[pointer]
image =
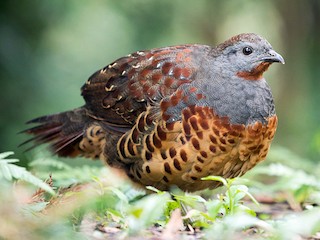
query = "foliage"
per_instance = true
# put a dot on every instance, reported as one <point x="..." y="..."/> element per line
<point x="64" y="174"/>
<point x="290" y="174"/>
<point x="99" y="197"/>
<point x="231" y="202"/>
<point x="10" y="171"/>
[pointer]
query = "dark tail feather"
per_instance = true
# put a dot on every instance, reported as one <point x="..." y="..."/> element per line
<point x="63" y="131"/>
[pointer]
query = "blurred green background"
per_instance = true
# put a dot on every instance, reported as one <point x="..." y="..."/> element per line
<point x="49" y="48"/>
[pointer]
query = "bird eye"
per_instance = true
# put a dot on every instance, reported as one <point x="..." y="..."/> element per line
<point x="247" y="50"/>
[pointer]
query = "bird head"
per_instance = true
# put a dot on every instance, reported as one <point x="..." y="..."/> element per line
<point x="247" y="55"/>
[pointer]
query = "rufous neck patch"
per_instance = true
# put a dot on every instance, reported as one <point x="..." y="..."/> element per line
<point x="256" y="73"/>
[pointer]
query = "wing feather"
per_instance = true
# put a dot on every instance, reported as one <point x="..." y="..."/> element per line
<point x="118" y="93"/>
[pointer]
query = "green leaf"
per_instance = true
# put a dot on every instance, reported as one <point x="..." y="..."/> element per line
<point x="146" y="211"/>
<point x="50" y="162"/>
<point x="6" y="154"/>
<point x="216" y="178"/>
<point x="214" y="208"/>
<point x="151" y="188"/>
<point x="246" y="191"/>
<point x="171" y="205"/>
<point x="119" y="194"/>
<point x="11" y="171"/>
<point x="188" y="199"/>
<point x="245" y="209"/>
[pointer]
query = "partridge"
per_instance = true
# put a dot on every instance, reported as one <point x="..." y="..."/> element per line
<point x="170" y="116"/>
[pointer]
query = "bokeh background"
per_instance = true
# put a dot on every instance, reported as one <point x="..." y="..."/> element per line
<point x="49" y="48"/>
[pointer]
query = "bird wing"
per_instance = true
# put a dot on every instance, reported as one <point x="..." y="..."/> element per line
<point x="118" y="93"/>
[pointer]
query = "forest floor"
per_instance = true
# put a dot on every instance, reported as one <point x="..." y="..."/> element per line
<point x="278" y="200"/>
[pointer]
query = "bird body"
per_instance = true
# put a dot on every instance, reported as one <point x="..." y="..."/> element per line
<point x="170" y="116"/>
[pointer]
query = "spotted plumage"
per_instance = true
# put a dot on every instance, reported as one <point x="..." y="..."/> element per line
<point x="173" y="115"/>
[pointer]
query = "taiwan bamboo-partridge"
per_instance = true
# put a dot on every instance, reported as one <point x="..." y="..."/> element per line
<point x="172" y="115"/>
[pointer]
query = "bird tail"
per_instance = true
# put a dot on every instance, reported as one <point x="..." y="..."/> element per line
<point x="63" y="131"/>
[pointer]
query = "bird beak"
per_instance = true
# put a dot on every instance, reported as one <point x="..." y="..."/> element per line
<point x="273" y="56"/>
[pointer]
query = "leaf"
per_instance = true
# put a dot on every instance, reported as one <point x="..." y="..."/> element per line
<point x="232" y="225"/>
<point x="151" y="188"/>
<point x="119" y="194"/>
<point x="5" y="171"/>
<point x="216" y="178"/>
<point x="6" y="154"/>
<point x="245" y="209"/>
<point x="304" y="224"/>
<point x="188" y="199"/>
<point x="146" y="211"/>
<point x="250" y="196"/>
<point x="50" y="162"/>
<point x="214" y="208"/>
<point x="11" y="171"/>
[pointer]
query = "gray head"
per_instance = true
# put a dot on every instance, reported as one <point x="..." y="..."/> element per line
<point x="223" y="81"/>
<point x="246" y="55"/>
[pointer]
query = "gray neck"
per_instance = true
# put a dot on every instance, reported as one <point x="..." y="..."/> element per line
<point x="243" y="101"/>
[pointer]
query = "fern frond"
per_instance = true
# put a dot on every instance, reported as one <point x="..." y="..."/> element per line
<point x="10" y="172"/>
